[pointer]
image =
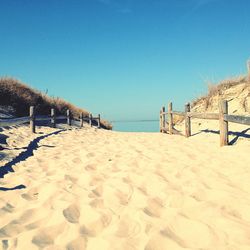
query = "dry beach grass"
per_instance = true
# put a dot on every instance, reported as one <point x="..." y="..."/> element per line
<point x="20" y="97"/>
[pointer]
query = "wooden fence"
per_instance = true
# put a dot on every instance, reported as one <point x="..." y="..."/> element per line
<point x="53" y="119"/>
<point x="223" y="117"/>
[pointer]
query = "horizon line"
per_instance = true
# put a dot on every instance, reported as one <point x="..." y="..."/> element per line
<point x="143" y="120"/>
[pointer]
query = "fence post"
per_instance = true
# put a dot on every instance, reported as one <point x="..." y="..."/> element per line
<point x="68" y="117"/>
<point x="90" y="120"/>
<point x="187" y="121"/>
<point x="160" y="125"/>
<point x="32" y="119"/>
<point x="163" y="119"/>
<point x="170" y="118"/>
<point x="81" y="120"/>
<point x="99" y="121"/>
<point x="53" y="118"/>
<point x="223" y="110"/>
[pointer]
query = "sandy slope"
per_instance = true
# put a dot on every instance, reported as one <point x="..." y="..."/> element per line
<point x="95" y="189"/>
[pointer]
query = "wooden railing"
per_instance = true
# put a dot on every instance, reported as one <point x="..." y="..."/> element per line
<point x="166" y="123"/>
<point x="52" y="118"/>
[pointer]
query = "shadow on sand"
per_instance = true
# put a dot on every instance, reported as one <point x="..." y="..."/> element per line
<point x="237" y="135"/>
<point x="13" y="188"/>
<point x="26" y="154"/>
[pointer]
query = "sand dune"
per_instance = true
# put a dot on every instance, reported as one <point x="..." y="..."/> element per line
<point x="96" y="189"/>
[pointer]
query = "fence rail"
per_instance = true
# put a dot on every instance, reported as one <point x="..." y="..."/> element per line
<point x="223" y="117"/>
<point x="52" y="118"/>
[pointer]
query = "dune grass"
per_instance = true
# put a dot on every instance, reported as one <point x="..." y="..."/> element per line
<point x="20" y="97"/>
<point x="218" y="89"/>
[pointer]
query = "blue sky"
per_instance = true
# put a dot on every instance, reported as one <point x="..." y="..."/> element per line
<point x="124" y="58"/>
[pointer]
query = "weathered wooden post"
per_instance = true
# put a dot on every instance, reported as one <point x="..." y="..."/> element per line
<point x="99" y="121"/>
<point x="160" y="125"/>
<point x="53" y="118"/>
<point x="90" y="120"/>
<point x="163" y="119"/>
<point x="68" y="117"/>
<point x="32" y="119"/>
<point x="187" y="121"/>
<point x="81" y="120"/>
<point x="223" y="110"/>
<point x="170" y="118"/>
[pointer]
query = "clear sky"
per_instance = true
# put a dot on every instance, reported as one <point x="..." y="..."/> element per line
<point x="124" y="58"/>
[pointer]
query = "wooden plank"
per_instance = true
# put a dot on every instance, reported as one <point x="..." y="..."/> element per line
<point x="187" y="121"/>
<point x="61" y="117"/>
<point x="209" y="116"/>
<point x="48" y="118"/>
<point x="14" y="121"/>
<point x="170" y="118"/>
<point x="32" y="119"/>
<point x="86" y="118"/>
<point x="178" y="113"/>
<point x="174" y="131"/>
<point x="75" y="123"/>
<point x="237" y="119"/>
<point x="223" y="110"/>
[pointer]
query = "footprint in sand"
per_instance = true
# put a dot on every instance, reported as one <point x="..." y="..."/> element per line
<point x="154" y="207"/>
<point x="28" y="215"/>
<point x="12" y="229"/>
<point x="72" y="213"/>
<point x="77" y="160"/>
<point x="36" y="224"/>
<point x="43" y="239"/>
<point x="70" y="178"/>
<point x="31" y="195"/>
<point x="127" y="180"/>
<point x="97" y="203"/>
<point x="46" y="236"/>
<point x="179" y="231"/>
<point x="123" y="197"/>
<point x="90" y="155"/>
<point x="96" y="180"/>
<point x="97" y="192"/>
<point x="96" y="225"/>
<point x="159" y="242"/>
<point x="78" y="244"/>
<point x="128" y="228"/>
<point x="143" y="190"/>
<point x="90" y="167"/>
<point x="8" y="208"/>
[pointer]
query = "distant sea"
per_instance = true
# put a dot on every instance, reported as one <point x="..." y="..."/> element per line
<point x="136" y="126"/>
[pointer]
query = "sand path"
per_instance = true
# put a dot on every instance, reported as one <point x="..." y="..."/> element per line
<point x="95" y="189"/>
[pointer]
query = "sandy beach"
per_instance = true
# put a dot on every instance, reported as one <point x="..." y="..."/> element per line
<point x="96" y="189"/>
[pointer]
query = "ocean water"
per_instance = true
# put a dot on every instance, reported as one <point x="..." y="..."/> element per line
<point x="136" y="126"/>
